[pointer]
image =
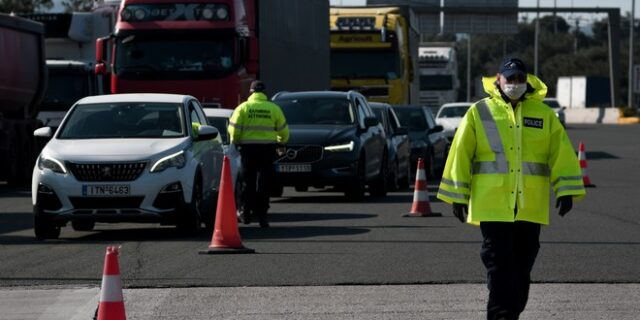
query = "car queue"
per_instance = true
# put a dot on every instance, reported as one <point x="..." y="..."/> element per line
<point x="156" y="158"/>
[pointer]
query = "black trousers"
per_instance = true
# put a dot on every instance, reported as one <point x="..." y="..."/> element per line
<point x="258" y="175"/>
<point x="509" y="251"/>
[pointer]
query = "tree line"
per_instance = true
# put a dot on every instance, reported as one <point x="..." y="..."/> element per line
<point x="562" y="51"/>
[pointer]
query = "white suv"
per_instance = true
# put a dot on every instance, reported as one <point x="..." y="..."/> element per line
<point x="128" y="158"/>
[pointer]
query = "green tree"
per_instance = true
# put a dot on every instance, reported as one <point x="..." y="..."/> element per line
<point x="77" y="5"/>
<point x="24" y="6"/>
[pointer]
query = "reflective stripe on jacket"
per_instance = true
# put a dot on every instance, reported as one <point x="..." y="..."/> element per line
<point x="502" y="158"/>
<point x="258" y="121"/>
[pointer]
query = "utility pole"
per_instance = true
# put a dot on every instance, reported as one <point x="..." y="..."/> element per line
<point x="630" y="86"/>
<point x="555" y="22"/>
<point x="469" y="67"/>
<point x="535" y="45"/>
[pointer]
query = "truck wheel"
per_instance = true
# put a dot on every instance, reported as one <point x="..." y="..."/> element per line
<point x="83" y="225"/>
<point x="190" y="218"/>
<point x="355" y="190"/>
<point x="378" y="188"/>
<point x="43" y="227"/>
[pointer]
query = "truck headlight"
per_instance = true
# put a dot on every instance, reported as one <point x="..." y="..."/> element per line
<point x="51" y="164"/>
<point x="177" y="160"/>
<point x="340" y="147"/>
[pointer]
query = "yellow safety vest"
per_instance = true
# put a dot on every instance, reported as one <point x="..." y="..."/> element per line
<point x="258" y="121"/>
<point x="502" y="159"/>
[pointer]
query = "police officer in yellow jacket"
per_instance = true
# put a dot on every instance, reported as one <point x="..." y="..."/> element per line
<point x="256" y="127"/>
<point x="508" y="149"/>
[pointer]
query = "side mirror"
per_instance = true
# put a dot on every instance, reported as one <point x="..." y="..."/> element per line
<point x="437" y="128"/>
<point x="371" y="122"/>
<point x="401" y="131"/>
<point x="207" y="133"/>
<point x="45" y="132"/>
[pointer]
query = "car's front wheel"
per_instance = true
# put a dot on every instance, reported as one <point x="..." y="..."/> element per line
<point x="191" y="217"/>
<point x="355" y="190"/>
<point x="378" y="188"/>
<point x="44" y="227"/>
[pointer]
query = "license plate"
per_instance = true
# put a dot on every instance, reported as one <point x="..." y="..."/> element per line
<point x="294" y="168"/>
<point x="106" y="190"/>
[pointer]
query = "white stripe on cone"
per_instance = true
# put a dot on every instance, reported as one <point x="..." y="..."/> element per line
<point x="421" y="175"/>
<point x="422" y="196"/>
<point x="111" y="289"/>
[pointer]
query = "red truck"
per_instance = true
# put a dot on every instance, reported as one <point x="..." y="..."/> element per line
<point x="213" y="49"/>
<point x="23" y="77"/>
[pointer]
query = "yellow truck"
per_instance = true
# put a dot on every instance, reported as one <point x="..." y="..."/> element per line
<point x="374" y="51"/>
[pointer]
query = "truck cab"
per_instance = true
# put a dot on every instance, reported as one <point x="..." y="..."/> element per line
<point x="373" y="50"/>
<point x="438" y="67"/>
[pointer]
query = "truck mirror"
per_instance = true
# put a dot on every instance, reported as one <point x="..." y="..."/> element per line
<point x="100" y="68"/>
<point x="100" y="50"/>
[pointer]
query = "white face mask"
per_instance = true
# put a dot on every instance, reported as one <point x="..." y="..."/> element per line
<point x="514" y="91"/>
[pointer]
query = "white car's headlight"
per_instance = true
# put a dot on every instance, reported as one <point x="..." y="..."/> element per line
<point x="177" y="160"/>
<point x="340" y="147"/>
<point x="51" y="164"/>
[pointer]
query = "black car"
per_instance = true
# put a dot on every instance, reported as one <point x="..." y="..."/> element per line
<point x="397" y="144"/>
<point x="427" y="140"/>
<point x="335" y="140"/>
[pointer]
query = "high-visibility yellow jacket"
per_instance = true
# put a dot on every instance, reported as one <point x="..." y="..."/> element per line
<point x="258" y="121"/>
<point x="503" y="158"/>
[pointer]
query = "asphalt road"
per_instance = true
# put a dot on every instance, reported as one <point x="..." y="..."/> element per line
<point x="317" y="238"/>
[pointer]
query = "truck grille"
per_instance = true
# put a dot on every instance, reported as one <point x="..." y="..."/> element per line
<point x="106" y="202"/>
<point x="123" y="171"/>
<point x="301" y="154"/>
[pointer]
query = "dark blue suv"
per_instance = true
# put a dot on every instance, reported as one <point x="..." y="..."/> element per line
<point x="335" y="140"/>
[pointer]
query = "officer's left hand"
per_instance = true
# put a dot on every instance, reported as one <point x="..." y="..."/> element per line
<point x="565" y="203"/>
<point x="280" y="150"/>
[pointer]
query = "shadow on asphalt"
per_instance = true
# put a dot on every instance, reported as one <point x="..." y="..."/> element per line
<point x="11" y="222"/>
<point x="305" y="217"/>
<point x="14" y="192"/>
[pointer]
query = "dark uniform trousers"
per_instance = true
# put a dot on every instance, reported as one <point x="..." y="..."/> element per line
<point x="257" y="175"/>
<point x="509" y="250"/>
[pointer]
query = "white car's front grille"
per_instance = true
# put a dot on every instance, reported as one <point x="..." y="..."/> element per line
<point x="119" y="171"/>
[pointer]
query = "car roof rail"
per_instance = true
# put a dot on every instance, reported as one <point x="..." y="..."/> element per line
<point x="279" y="93"/>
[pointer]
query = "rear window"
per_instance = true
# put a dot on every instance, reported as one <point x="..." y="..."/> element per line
<point x="453" y="112"/>
<point x="412" y="118"/>
<point x="317" y="111"/>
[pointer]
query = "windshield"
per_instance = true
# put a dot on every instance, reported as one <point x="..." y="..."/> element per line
<point x="436" y="82"/>
<point x="317" y="111"/>
<point x="453" y="112"/>
<point x="220" y="124"/>
<point x="365" y="64"/>
<point x="124" y="120"/>
<point x="412" y="118"/>
<point x="64" y="89"/>
<point x="150" y="57"/>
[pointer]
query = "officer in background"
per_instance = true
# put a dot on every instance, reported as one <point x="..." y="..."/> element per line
<point x="256" y="127"/>
<point x="507" y="151"/>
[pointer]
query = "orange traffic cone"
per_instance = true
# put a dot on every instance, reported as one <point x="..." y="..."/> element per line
<point x="111" y="303"/>
<point x="582" y="156"/>
<point x="421" y="206"/>
<point x="226" y="236"/>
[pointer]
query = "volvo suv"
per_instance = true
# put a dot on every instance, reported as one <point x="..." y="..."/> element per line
<point x="335" y="140"/>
